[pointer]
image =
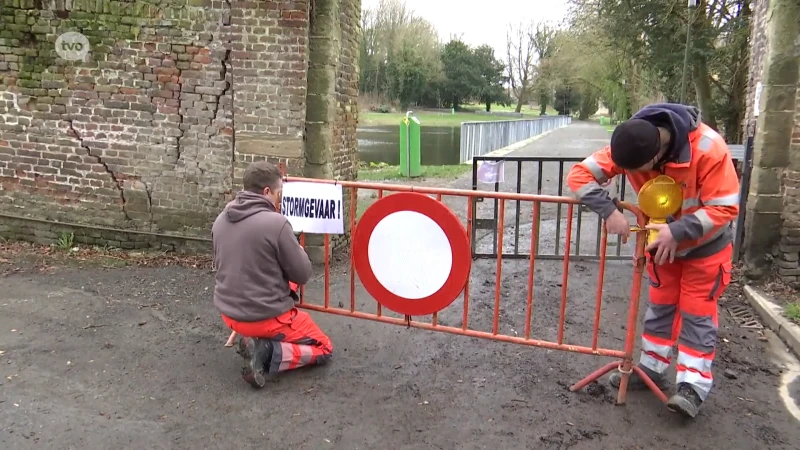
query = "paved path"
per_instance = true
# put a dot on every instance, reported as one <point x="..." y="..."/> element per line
<point x="577" y="140"/>
<point x="97" y="358"/>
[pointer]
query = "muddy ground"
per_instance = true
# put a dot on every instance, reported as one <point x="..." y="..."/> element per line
<point x="98" y="357"/>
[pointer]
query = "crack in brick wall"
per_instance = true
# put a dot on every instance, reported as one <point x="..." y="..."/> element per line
<point x="110" y="172"/>
<point x="153" y="131"/>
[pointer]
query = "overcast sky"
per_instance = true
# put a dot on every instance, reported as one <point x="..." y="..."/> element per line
<point x="482" y="21"/>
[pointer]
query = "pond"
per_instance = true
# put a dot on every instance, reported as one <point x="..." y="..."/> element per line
<point x="381" y="144"/>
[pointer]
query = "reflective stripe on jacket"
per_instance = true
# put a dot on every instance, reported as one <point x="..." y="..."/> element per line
<point x="707" y="177"/>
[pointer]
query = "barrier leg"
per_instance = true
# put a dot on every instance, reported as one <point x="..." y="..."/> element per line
<point x="626" y="366"/>
<point x="594" y="376"/>
<point x="650" y="384"/>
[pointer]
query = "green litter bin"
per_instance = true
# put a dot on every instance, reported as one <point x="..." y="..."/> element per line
<point x="410" y="141"/>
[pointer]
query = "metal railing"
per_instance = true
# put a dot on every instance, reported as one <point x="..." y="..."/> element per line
<point x="480" y="138"/>
<point x="472" y="313"/>
<point x="547" y="176"/>
<point x="743" y="158"/>
<point x="542" y="176"/>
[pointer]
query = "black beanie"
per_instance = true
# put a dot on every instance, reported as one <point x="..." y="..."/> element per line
<point x="634" y="143"/>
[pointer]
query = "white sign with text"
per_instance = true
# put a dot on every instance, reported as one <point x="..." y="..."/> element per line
<point x="757" y="99"/>
<point x="313" y="207"/>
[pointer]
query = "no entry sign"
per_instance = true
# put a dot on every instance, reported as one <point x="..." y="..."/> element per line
<point x="412" y="254"/>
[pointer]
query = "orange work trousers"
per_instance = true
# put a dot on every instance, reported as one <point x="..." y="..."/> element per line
<point x="297" y="340"/>
<point x="683" y="309"/>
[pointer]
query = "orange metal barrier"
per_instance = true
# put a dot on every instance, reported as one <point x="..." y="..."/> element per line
<point x="624" y="356"/>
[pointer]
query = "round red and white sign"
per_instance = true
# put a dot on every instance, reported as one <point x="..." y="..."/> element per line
<point x="411" y="253"/>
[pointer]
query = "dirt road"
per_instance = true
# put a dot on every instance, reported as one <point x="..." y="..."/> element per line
<point x="132" y="358"/>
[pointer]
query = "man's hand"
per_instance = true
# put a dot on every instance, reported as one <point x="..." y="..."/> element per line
<point x="618" y="224"/>
<point x="665" y="244"/>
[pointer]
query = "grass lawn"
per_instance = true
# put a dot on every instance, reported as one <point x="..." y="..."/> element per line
<point x="384" y="173"/>
<point x="792" y="312"/>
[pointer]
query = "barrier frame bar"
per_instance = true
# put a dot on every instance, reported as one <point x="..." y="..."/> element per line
<point x="624" y="358"/>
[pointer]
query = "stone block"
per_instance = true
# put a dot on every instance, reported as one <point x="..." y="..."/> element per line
<point x="321" y="79"/>
<point x="783" y="272"/>
<point x="773" y="139"/>
<point x="790" y="257"/>
<point x="769" y="226"/>
<point x="316" y="254"/>
<point x="319" y="137"/>
<point x="787" y="264"/>
<point x="788" y="247"/>
<point x="765" y="203"/>
<point x="779" y="98"/>
<point x="265" y="144"/>
<point x="765" y="181"/>
<point x="321" y="108"/>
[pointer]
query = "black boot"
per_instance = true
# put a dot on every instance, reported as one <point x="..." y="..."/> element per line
<point x="635" y="382"/>
<point x="256" y="353"/>
<point x="686" y="401"/>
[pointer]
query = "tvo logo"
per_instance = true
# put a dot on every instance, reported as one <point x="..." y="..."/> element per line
<point x="72" y="46"/>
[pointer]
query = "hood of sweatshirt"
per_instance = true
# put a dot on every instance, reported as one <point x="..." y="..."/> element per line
<point x="246" y="204"/>
<point x="679" y="119"/>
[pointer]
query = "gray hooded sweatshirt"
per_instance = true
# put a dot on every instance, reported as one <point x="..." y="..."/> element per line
<point x="256" y="255"/>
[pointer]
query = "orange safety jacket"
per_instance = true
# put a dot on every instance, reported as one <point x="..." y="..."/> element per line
<point x="708" y="178"/>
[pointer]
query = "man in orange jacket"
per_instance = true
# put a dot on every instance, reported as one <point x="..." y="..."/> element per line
<point x="689" y="264"/>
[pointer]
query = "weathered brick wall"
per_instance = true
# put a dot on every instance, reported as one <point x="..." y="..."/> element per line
<point x="344" y="131"/>
<point x="789" y="258"/>
<point x="269" y="42"/>
<point x="345" y="143"/>
<point x="332" y="115"/>
<point x="153" y="130"/>
<point x="46" y="232"/>
<point x="773" y="204"/>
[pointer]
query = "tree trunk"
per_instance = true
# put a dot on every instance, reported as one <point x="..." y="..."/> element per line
<point x="734" y="120"/>
<point x="522" y="98"/>
<point x="488" y="106"/>
<point x="542" y="105"/>
<point x="702" y="86"/>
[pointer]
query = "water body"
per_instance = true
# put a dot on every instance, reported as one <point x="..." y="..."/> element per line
<point x="381" y="144"/>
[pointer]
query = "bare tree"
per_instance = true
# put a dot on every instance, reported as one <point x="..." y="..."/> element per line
<point x="545" y="47"/>
<point x="521" y="59"/>
<point x="392" y="17"/>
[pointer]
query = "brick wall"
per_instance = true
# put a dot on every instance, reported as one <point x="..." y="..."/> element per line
<point x="345" y="143"/>
<point x="46" y="232"/>
<point x="789" y="247"/>
<point x="773" y="205"/>
<point x="344" y="130"/>
<point x="152" y="131"/>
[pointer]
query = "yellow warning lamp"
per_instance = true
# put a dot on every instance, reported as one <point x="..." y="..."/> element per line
<point x="659" y="198"/>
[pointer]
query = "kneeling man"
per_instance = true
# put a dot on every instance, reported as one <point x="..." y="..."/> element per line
<point x="257" y="256"/>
